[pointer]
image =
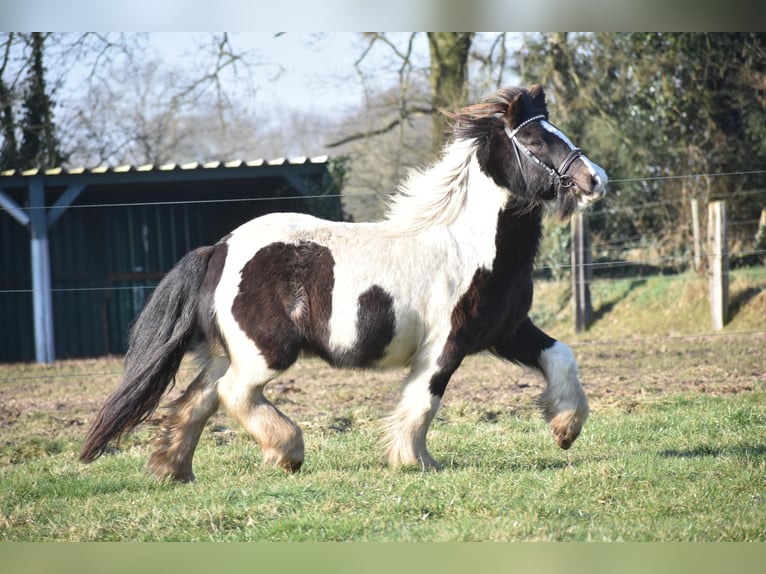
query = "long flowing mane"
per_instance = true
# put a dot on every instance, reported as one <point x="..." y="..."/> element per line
<point x="436" y="195"/>
<point x="476" y="120"/>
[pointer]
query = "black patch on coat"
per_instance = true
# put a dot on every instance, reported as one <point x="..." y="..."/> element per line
<point x="284" y="305"/>
<point x="375" y="329"/>
<point x="523" y="345"/>
<point x="285" y="300"/>
<point x="498" y="299"/>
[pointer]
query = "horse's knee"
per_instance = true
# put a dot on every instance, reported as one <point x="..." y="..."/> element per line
<point x="279" y="438"/>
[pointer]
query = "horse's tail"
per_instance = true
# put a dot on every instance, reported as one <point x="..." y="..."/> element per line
<point x="166" y="328"/>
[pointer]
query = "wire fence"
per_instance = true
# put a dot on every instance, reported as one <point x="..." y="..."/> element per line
<point x="616" y="255"/>
<point x="607" y="249"/>
<point x="612" y="253"/>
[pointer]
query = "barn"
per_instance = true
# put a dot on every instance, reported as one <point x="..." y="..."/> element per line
<point x="80" y="249"/>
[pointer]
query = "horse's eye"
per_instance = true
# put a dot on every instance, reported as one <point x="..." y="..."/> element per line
<point x="536" y="143"/>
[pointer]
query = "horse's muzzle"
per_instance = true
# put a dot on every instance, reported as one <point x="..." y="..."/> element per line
<point x="594" y="187"/>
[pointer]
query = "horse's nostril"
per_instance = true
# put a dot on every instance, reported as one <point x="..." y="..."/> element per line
<point x="595" y="182"/>
<point x="598" y="180"/>
<point x="598" y="184"/>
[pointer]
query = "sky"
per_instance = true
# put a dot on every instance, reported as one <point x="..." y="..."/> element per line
<point x="318" y="73"/>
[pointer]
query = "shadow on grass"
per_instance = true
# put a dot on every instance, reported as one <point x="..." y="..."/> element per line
<point x="705" y="450"/>
<point x="741" y="299"/>
<point x="607" y="307"/>
<point x="537" y="464"/>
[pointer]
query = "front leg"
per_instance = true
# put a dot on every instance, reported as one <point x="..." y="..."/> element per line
<point x="407" y="426"/>
<point x="563" y="403"/>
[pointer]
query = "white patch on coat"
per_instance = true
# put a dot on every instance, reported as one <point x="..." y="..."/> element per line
<point x="563" y="392"/>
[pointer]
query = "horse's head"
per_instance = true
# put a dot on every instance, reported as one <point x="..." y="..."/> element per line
<point x="525" y="153"/>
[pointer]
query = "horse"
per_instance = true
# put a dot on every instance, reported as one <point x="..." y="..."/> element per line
<point x="446" y="273"/>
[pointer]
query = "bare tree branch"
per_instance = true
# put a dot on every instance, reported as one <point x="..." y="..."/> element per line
<point x="385" y="129"/>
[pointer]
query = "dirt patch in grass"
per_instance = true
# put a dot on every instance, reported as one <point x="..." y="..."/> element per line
<point x="58" y="401"/>
<point x="642" y="344"/>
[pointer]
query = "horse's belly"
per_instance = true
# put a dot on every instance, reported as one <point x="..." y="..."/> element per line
<point x="371" y="333"/>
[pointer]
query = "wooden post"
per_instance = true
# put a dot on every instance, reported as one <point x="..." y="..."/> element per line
<point x="697" y="237"/>
<point x="581" y="272"/>
<point x="718" y="264"/>
<point x="760" y="235"/>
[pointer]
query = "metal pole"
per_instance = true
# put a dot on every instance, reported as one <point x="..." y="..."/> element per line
<point x="41" y="273"/>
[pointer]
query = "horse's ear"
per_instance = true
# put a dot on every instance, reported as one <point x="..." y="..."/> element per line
<point x="516" y="111"/>
<point x="537" y="93"/>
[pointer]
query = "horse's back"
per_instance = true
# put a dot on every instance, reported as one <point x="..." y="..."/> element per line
<point x="345" y="291"/>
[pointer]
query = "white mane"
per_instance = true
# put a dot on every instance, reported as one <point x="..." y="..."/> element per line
<point x="435" y="196"/>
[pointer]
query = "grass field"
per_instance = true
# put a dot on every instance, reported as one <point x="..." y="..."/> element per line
<point x="675" y="448"/>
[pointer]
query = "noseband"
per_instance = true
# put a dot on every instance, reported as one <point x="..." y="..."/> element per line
<point x="559" y="175"/>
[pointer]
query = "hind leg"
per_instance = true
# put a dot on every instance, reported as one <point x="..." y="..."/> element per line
<point x="280" y="439"/>
<point x="181" y="429"/>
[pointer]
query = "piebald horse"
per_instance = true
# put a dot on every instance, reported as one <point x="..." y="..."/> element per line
<point x="447" y="273"/>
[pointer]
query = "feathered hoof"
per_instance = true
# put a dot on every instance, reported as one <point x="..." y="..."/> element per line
<point x="160" y="468"/>
<point x="290" y="462"/>
<point x="566" y="427"/>
<point x="423" y="461"/>
<point x="291" y="465"/>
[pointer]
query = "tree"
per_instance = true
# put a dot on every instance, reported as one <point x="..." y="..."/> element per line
<point x="447" y="74"/>
<point x="152" y="126"/>
<point x="9" y="148"/>
<point x="654" y="108"/>
<point x="39" y="146"/>
<point x="448" y="77"/>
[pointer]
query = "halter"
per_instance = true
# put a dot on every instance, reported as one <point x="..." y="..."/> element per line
<point x="559" y="174"/>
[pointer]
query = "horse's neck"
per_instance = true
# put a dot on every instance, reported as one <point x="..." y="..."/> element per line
<point x="457" y="198"/>
<point x="518" y="239"/>
<point x="441" y="195"/>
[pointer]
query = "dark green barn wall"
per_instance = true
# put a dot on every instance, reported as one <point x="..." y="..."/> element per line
<point x="106" y="260"/>
<point x="16" y="335"/>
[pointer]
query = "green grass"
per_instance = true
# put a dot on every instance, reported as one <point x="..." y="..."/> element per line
<point x="677" y="469"/>
<point x="652" y="306"/>
<point x="674" y="449"/>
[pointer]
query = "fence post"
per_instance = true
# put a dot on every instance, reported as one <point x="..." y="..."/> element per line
<point x="760" y="235"/>
<point x="718" y="264"/>
<point x="581" y="272"/>
<point x="697" y="236"/>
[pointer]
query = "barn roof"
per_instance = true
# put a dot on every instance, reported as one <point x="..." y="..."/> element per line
<point x="215" y="169"/>
<point x="150" y="167"/>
